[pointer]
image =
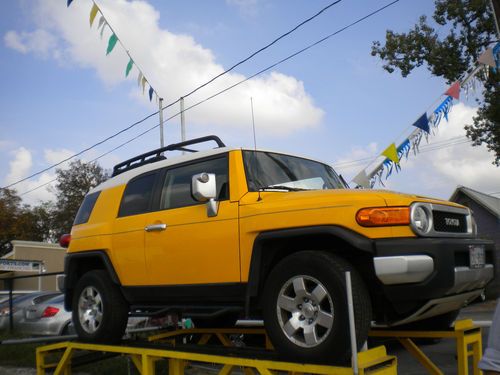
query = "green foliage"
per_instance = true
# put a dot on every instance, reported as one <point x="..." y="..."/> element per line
<point x="48" y="220"/>
<point x="72" y="185"/>
<point x="20" y="222"/>
<point x="464" y="29"/>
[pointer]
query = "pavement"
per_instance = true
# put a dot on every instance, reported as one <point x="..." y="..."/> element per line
<point x="443" y="353"/>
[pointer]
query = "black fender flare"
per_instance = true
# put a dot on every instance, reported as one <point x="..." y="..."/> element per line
<point x="255" y="277"/>
<point x="72" y="270"/>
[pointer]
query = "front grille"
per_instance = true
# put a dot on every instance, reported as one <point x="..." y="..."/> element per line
<point x="449" y="222"/>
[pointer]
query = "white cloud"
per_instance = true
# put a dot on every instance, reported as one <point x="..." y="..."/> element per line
<point x="246" y="7"/>
<point x="40" y="42"/>
<point x="174" y="64"/>
<point x="56" y="156"/>
<point x="447" y="161"/>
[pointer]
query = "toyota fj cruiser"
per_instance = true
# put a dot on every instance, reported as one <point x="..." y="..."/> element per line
<point x="228" y="233"/>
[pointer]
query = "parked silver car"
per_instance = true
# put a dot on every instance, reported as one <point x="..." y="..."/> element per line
<point x="48" y="318"/>
<point x="19" y="304"/>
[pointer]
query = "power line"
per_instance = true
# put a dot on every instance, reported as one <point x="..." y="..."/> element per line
<point x="231" y="87"/>
<point x="184" y="96"/>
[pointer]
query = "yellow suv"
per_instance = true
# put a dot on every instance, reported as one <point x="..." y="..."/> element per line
<point x="229" y="233"/>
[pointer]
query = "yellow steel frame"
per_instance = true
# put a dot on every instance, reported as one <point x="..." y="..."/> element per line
<point x="372" y="362"/>
<point x="465" y="333"/>
<point x="221" y="334"/>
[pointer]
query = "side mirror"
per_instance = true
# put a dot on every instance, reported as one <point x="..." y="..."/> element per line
<point x="204" y="189"/>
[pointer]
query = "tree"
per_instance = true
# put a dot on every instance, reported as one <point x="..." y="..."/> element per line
<point x="470" y="30"/>
<point x="20" y="222"/>
<point x="72" y="185"/>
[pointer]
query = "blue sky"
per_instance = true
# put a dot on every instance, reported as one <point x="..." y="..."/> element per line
<point x="60" y="93"/>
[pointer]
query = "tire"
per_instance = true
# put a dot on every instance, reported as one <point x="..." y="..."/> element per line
<point x="305" y="307"/>
<point x="100" y="312"/>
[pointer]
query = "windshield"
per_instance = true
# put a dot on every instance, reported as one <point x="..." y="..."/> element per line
<point x="271" y="171"/>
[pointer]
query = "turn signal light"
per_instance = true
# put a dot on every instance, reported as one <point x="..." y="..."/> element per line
<point x="50" y="311"/>
<point x="383" y="216"/>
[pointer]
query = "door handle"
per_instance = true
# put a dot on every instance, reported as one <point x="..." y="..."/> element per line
<point x="155" y="227"/>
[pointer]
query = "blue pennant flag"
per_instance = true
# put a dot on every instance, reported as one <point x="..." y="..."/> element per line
<point x="442" y="110"/>
<point x="150" y="93"/>
<point x="69" y="2"/>
<point x="423" y="123"/>
<point x="404" y="148"/>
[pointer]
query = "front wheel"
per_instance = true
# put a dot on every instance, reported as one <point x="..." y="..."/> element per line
<point x="100" y="312"/>
<point x="305" y="307"/>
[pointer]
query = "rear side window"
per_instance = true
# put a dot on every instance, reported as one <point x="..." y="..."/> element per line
<point x="137" y="196"/>
<point x="86" y="208"/>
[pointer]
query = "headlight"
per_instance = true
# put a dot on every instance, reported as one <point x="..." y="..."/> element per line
<point x="421" y="219"/>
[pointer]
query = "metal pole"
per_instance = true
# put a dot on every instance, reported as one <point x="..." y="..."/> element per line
<point x="183" y="124"/>
<point x="160" y="104"/>
<point x="352" y="325"/>
<point x="10" y="283"/>
<point x="495" y="16"/>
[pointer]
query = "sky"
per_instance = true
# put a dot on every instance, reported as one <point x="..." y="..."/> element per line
<point x="61" y="93"/>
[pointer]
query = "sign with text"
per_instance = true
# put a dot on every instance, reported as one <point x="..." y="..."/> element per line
<point x="20" y="265"/>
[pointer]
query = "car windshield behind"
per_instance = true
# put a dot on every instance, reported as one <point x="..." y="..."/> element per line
<point x="272" y="171"/>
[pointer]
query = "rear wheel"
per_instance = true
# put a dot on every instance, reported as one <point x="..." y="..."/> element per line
<point x="99" y="310"/>
<point x="305" y="307"/>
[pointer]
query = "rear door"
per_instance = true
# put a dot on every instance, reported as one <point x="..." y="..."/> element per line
<point x="186" y="246"/>
<point x="128" y="230"/>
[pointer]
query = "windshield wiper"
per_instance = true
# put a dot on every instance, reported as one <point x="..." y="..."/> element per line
<point x="281" y="187"/>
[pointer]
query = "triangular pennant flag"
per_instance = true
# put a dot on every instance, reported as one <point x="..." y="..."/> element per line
<point x="129" y="67"/>
<point x="151" y="93"/>
<point x="69" y="2"/>
<point x="93" y="13"/>
<point x="103" y="27"/>
<point x="101" y="22"/>
<point x="139" y="78"/>
<point x="111" y="43"/>
<point x="391" y="153"/>
<point x="422" y="123"/>
<point x="144" y="80"/>
<point x="362" y="179"/>
<point x="454" y="90"/>
<point x="487" y="58"/>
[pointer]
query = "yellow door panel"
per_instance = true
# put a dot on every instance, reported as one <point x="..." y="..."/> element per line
<point x="127" y="251"/>
<point x="193" y="248"/>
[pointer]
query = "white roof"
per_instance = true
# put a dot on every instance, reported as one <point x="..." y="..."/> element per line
<point x="125" y="177"/>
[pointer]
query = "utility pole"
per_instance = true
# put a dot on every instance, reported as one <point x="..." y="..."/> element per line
<point x="160" y="104"/>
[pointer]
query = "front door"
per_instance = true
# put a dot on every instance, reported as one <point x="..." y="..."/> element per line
<point x="185" y="246"/>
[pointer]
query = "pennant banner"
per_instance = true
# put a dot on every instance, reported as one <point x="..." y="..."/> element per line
<point x="111" y="43"/>
<point x="422" y="123"/>
<point x="454" y="91"/>
<point x="113" y="39"/>
<point x="93" y="13"/>
<point x="129" y="67"/>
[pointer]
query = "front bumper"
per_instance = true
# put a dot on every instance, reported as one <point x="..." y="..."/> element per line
<point x="449" y="275"/>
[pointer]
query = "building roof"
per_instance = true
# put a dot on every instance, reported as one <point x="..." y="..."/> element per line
<point x="489" y="202"/>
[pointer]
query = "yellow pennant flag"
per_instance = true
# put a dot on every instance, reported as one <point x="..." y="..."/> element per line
<point x="144" y="80"/>
<point x="391" y="153"/>
<point x="93" y="13"/>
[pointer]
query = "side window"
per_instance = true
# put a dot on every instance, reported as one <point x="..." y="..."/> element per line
<point x="176" y="191"/>
<point x="137" y="196"/>
<point x="86" y="208"/>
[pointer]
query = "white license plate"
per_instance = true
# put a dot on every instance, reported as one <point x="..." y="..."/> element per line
<point x="476" y="256"/>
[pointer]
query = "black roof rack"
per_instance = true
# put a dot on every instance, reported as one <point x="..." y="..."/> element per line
<point x="157" y="155"/>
